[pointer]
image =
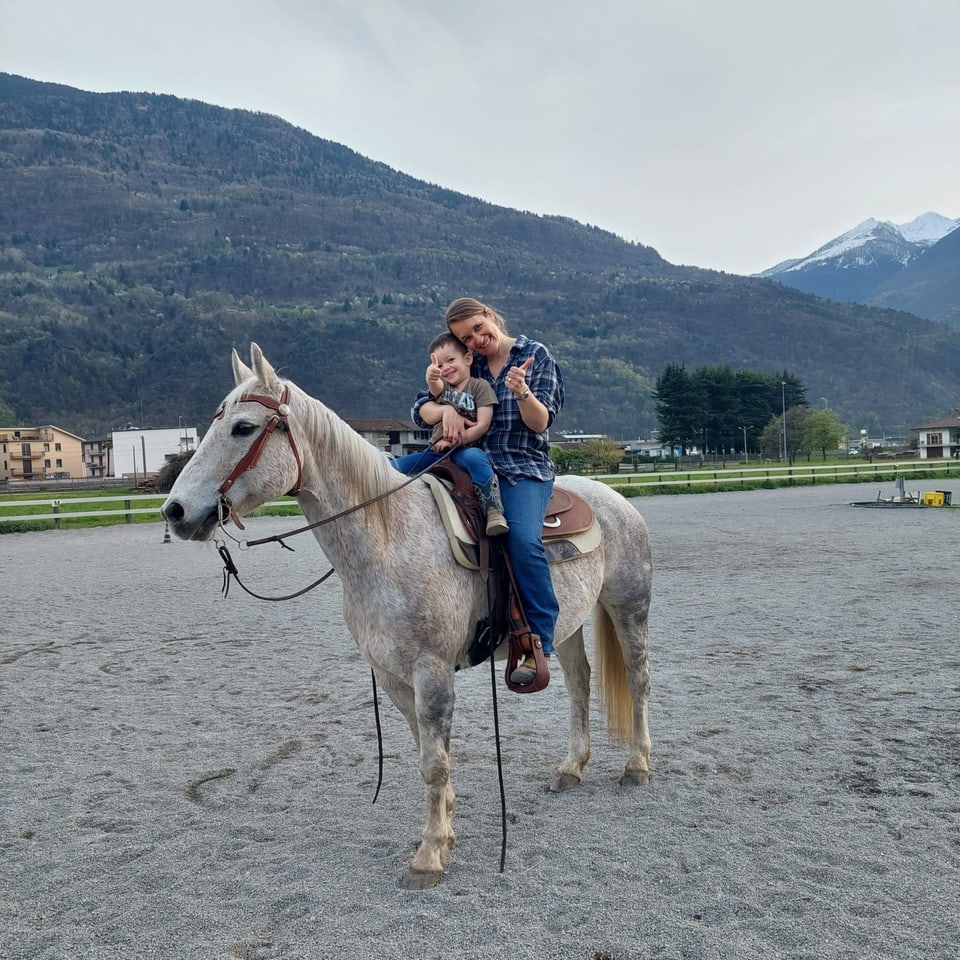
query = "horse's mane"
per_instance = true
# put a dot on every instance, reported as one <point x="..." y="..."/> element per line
<point x="366" y="470"/>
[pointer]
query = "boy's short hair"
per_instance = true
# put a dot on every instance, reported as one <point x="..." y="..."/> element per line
<point x="446" y="339"/>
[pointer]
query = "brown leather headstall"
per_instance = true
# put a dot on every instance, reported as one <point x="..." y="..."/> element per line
<point x="281" y="410"/>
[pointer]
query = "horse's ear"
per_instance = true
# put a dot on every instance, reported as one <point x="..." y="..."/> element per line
<point x="241" y="372"/>
<point x="262" y="369"/>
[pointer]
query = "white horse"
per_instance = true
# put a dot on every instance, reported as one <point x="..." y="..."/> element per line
<point x="398" y="576"/>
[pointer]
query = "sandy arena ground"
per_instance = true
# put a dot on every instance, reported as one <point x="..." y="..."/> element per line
<point x="184" y="776"/>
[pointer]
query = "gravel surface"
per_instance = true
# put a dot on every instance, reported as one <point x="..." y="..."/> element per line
<point x="187" y="776"/>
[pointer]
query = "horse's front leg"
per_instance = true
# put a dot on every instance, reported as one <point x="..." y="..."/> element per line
<point x="576" y="676"/>
<point x="434" y="699"/>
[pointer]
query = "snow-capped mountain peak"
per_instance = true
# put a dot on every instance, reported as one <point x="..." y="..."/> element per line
<point x="928" y="228"/>
<point x="870" y="240"/>
<point x="855" y="264"/>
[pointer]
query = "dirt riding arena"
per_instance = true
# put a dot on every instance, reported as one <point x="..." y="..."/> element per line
<point x="184" y="776"/>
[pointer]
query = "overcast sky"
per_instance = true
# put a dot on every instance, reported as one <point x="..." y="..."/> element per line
<point x="729" y="135"/>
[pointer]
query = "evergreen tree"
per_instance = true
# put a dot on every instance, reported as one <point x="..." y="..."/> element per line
<point x="712" y="406"/>
<point x="677" y="407"/>
<point x="716" y="386"/>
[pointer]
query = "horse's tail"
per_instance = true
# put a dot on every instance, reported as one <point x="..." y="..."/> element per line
<point x="614" y="691"/>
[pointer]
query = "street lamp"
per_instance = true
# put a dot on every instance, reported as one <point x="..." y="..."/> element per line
<point x="783" y="417"/>
<point x="746" y="456"/>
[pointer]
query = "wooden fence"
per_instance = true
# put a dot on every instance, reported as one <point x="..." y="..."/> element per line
<point x="813" y="473"/>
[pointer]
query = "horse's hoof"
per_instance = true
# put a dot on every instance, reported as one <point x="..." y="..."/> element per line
<point x="635" y="778"/>
<point x="564" y="781"/>
<point x="421" y="879"/>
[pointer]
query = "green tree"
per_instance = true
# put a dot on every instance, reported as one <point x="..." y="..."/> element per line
<point x="712" y="406"/>
<point x="716" y="388"/>
<point x="772" y="441"/>
<point x="603" y="455"/>
<point x="678" y="407"/>
<point x="796" y="430"/>
<point x="787" y="390"/>
<point x="7" y="418"/>
<point x="822" y="431"/>
<point x="753" y="390"/>
<point x="566" y="461"/>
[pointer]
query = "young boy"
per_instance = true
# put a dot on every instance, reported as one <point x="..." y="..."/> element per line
<point x="450" y="384"/>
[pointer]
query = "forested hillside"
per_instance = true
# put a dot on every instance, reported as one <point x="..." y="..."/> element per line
<point x="143" y="236"/>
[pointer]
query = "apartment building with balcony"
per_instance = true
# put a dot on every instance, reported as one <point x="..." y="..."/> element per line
<point x="940" y="439"/>
<point x="98" y="457"/>
<point x="40" y="453"/>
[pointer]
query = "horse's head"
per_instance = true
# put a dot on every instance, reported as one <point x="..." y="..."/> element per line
<point x="246" y="458"/>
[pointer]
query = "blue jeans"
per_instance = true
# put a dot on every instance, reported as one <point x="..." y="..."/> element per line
<point x="472" y="459"/>
<point x="525" y="505"/>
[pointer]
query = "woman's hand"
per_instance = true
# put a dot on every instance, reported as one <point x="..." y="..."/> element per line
<point x="517" y="378"/>
<point x="453" y="425"/>
<point x="532" y="412"/>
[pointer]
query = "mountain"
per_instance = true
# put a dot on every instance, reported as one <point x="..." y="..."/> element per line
<point x="929" y="286"/>
<point x="142" y="236"/>
<point x="869" y="263"/>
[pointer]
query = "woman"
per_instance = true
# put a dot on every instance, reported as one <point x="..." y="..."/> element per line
<point x="529" y="386"/>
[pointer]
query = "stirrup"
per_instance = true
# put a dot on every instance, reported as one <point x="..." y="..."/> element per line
<point x="526" y="672"/>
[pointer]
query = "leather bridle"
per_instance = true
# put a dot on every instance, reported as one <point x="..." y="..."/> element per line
<point x="281" y="411"/>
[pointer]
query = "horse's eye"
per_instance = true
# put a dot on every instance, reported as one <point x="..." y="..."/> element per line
<point x="243" y="428"/>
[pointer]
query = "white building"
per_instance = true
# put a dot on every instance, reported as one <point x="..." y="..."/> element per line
<point x="139" y="452"/>
<point x="655" y="448"/>
<point x="940" y="440"/>
<point x="570" y="436"/>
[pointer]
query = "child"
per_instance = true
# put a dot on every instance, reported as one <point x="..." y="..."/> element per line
<point x="450" y="385"/>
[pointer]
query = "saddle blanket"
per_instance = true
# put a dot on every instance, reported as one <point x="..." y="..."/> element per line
<point x="569" y="531"/>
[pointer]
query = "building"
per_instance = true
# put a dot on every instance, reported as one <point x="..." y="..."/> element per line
<point x="653" y="448"/>
<point x="40" y="453"/>
<point x="572" y="436"/>
<point x="398" y="437"/>
<point x="98" y="457"/>
<point x="940" y="440"/>
<point x="137" y="453"/>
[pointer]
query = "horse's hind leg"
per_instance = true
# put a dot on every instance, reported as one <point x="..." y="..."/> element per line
<point x="629" y="712"/>
<point x="576" y="676"/>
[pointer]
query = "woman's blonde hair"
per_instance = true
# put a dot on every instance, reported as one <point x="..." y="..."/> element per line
<point x="465" y="307"/>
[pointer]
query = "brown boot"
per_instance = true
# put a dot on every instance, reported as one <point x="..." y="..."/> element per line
<point x="496" y="523"/>
<point x="489" y="495"/>
<point x="526" y="672"/>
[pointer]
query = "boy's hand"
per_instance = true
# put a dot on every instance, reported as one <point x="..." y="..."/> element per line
<point x="434" y="377"/>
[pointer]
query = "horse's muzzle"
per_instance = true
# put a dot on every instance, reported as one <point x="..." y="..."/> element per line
<point x="200" y="526"/>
